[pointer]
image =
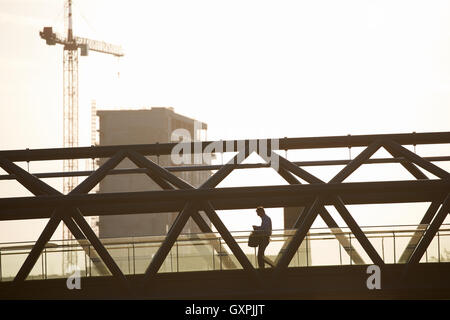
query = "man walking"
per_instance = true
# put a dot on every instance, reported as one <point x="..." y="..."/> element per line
<point x="265" y="231"/>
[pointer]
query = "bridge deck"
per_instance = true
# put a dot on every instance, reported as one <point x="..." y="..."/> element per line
<point x="424" y="281"/>
<point x="222" y="265"/>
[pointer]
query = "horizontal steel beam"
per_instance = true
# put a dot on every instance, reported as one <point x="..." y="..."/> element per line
<point x="143" y="207"/>
<point x="217" y="167"/>
<point x="230" y="146"/>
<point x="226" y="198"/>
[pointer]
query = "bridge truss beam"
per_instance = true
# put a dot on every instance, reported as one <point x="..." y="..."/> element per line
<point x="189" y="201"/>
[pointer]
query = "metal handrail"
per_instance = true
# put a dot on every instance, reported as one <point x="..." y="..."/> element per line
<point x="23" y="245"/>
<point x="195" y="240"/>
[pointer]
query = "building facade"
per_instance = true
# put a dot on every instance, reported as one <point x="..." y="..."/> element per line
<point x="147" y="126"/>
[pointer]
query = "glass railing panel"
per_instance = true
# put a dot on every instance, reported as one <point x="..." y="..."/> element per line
<point x="203" y="252"/>
<point x="295" y="261"/>
<point x="143" y="255"/>
<point x="277" y="245"/>
<point x="95" y="264"/>
<point x="251" y="252"/>
<point x="406" y="242"/>
<point x="216" y="246"/>
<point x="402" y="239"/>
<point x="173" y="265"/>
<point x="122" y="254"/>
<point x="38" y="273"/>
<point x="304" y="253"/>
<point x="432" y="253"/>
<point x="55" y="267"/>
<point x="378" y="241"/>
<point x="78" y="261"/>
<point x="388" y="252"/>
<point x="12" y="259"/>
<point x="227" y="260"/>
<point x="321" y="250"/>
<point x="358" y="249"/>
<point x="444" y="245"/>
<point x="195" y="255"/>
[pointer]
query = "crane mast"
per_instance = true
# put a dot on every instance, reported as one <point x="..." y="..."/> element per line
<point x="71" y="44"/>
<point x="70" y="105"/>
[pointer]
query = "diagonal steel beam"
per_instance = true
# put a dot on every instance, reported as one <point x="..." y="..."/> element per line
<point x="39" y="245"/>
<point x="326" y="216"/>
<point x="299" y="172"/>
<point x="159" y="181"/>
<point x="431" y="232"/>
<point x="154" y="170"/>
<point x="60" y="212"/>
<point x="157" y="171"/>
<point x="101" y="250"/>
<point x="417" y="236"/>
<point x="301" y="217"/>
<point x="184" y="215"/>
<point x="38" y="187"/>
<point x="359" y="234"/>
<point x="228" y="238"/>
<point x="416" y="172"/>
<point x="171" y="237"/>
<point x="395" y="148"/>
<point x="340" y="236"/>
<point x="429" y="214"/>
<point x="338" y="203"/>
<point x="357" y="162"/>
<point x="286" y="175"/>
<point x="26" y="179"/>
<point x="161" y="175"/>
<point x="299" y="235"/>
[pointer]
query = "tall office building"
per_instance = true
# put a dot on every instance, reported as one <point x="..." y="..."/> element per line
<point x="155" y="125"/>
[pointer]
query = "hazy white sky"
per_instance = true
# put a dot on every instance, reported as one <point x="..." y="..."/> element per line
<point x="247" y="68"/>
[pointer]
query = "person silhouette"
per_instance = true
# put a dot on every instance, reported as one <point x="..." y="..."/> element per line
<point x="265" y="231"/>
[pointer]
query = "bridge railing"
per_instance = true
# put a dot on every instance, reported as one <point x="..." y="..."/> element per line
<point x="198" y="252"/>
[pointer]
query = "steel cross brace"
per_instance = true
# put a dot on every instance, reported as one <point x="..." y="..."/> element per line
<point x="323" y="212"/>
<point x="308" y="218"/>
<point x="156" y="171"/>
<point x="420" y="240"/>
<point x="396" y="149"/>
<point x="430" y="232"/>
<point x="187" y="211"/>
<point x="426" y="239"/>
<point x="37" y="187"/>
<point x="417" y="236"/>
<point x="60" y="213"/>
<point x="337" y="202"/>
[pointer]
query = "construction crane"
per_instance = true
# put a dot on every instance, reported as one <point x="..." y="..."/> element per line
<point x="71" y="44"/>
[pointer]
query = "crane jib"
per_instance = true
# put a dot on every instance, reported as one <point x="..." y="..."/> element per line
<point x="84" y="44"/>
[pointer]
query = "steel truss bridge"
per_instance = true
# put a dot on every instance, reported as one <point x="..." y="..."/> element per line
<point x="405" y="278"/>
